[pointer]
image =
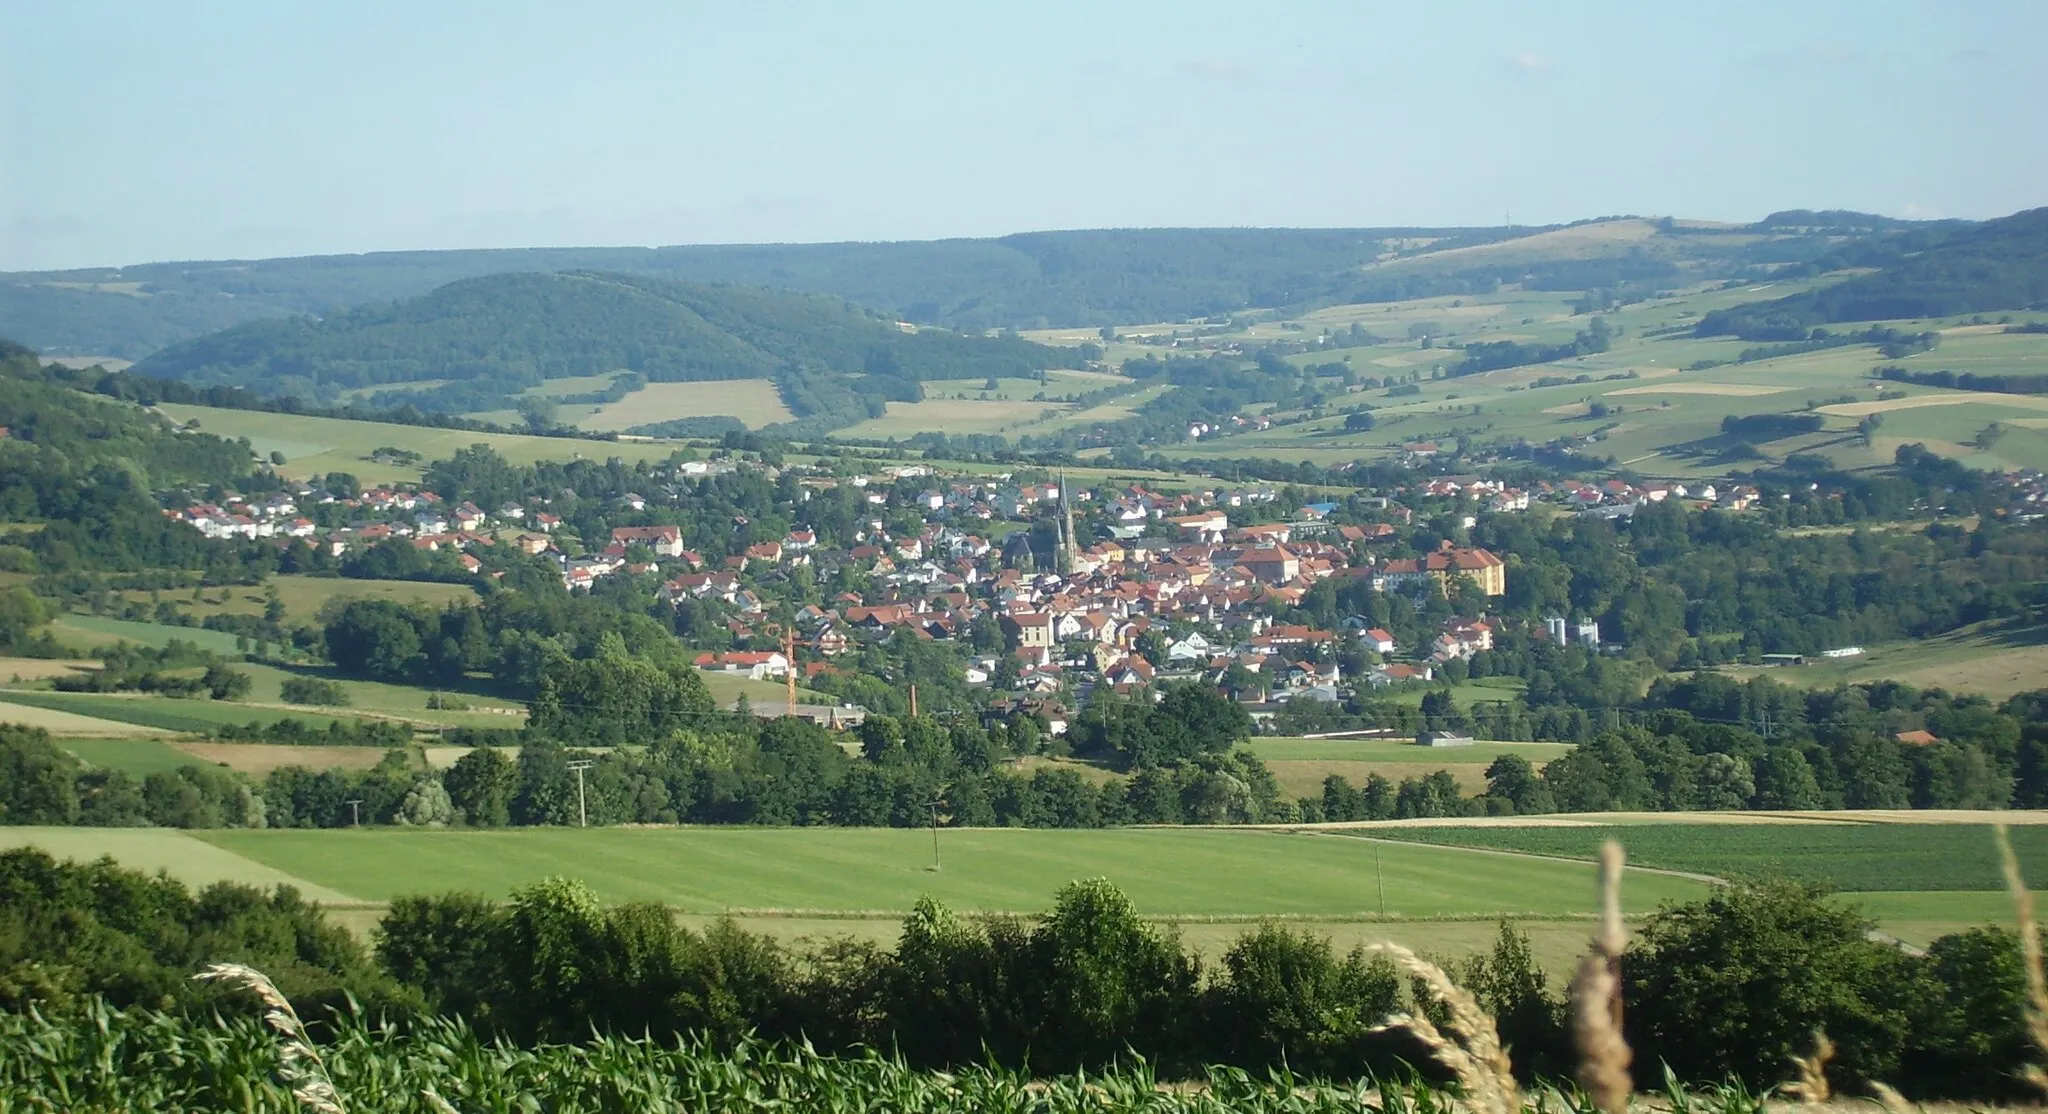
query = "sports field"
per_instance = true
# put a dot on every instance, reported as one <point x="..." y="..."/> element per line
<point x="315" y="446"/>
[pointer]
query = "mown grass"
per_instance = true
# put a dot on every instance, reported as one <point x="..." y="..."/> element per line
<point x="1284" y="749"/>
<point x="196" y="716"/>
<point x="1851" y="857"/>
<point x="134" y="757"/>
<point x="1183" y="871"/>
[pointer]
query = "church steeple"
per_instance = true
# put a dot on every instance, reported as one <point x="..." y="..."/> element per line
<point x="1069" y="549"/>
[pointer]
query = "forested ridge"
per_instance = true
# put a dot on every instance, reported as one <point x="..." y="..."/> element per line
<point x="1029" y="280"/>
<point x="487" y="338"/>
<point x="1997" y="265"/>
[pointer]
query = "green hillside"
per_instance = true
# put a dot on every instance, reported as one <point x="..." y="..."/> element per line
<point x="1029" y="280"/>
<point x="473" y="344"/>
<point x="1998" y="265"/>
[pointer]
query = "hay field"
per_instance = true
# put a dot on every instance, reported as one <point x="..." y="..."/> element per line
<point x="65" y="723"/>
<point x="1991" y="661"/>
<point x="314" y="446"/>
<point x="951" y="416"/>
<point x="302" y="597"/>
<point x="258" y="759"/>
<point x="17" y="670"/>
<point x="755" y="402"/>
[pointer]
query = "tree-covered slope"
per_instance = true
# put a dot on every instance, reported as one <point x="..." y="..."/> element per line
<point x="487" y="338"/>
<point x="1997" y="265"/>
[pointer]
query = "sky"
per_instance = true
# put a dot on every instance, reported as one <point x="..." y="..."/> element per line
<point x="137" y="132"/>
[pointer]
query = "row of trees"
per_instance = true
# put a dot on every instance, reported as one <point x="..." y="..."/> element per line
<point x="1730" y="986"/>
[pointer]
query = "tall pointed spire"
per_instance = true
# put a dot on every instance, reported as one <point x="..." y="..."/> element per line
<point x="1069" y="550"/>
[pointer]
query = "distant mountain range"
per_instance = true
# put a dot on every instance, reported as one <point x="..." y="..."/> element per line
<point x="1083" y="278"/>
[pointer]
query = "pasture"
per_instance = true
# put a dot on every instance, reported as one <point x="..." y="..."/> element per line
<point x="315" y="446"/>
<point x="91" y="631"/>
<point x="1173" y="872"/>
<point x="755" y="402"/>
<point x="407" y="702"/>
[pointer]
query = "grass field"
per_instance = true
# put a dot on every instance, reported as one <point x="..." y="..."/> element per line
<point x="87" y="631"/>
<point x="947" y="415"/>
<point x="314" y="446"/>
<point x="727" y="688"/>
<point x="32" y="712"/>
<point x="1992" y="660"/>
<point x="134" y="757"/>
<point x="258" y="759"/>
<point x="159" y="712"/>
<point x="185" y="857"/>
<point x="398" y="701"/>
<point x="1300" y="765"/>
<point x="302" y="597"/>
<point x="1843" y="855"/>
<point x="755" y="402"/>
<point x="1217" y="872"/>
<point x="16" y="671"/>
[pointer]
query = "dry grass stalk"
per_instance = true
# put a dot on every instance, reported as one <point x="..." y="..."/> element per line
<point x="1892" y="1101"/>
<point x="2030" y="953"/>
<point x="1604" y="1055"/>
<point x="298" y="1062"/>
<point x="1476" y="1057"/>
<point x="1812" y="1085"/>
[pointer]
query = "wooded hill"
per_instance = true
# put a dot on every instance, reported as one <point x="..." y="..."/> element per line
<point x="1997" y="265"/>
<point x="1030" y="280"/>
<point x="483" y="340"/>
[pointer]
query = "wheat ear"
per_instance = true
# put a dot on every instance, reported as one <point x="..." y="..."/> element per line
<point x="1604" y="1054"/>
<point x="298" y="1062"/>
<point x="1476" y="1058"/>
<point x="2030" y="952"/>
<point x="1812" y="1085"/>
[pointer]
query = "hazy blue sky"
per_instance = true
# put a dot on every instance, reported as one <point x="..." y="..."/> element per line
<point x="146" y="131"/>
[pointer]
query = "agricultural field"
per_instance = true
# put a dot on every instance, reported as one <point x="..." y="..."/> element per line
<point x="376" y="698"/>
<point x="755" y="402"/>
<point x="1300" y="765"/>
<point x="258" y="759"/>
<point x="1994" y="661"/>
<point x="89" y="632"/>
<point x="65" y="723"/>
<point x="15" y="671"/>
<point x="1168" y="872"/>
<point x="1922" y="877"/>
<point x="315" y="446"/>
<point x="104" y="713"/>
<point x="134" y="757"/>
<point x="951" y="416"/>
<point x="183" y="856"/>
<point x="1638" y="402"/>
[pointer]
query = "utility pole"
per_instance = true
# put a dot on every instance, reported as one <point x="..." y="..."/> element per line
<point x="934" y="806"/>
<point x="913" y="700"/>
<point x="1381" y="877"/>
<point x="582" y="816"/>
<point x="355" y="813"/>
